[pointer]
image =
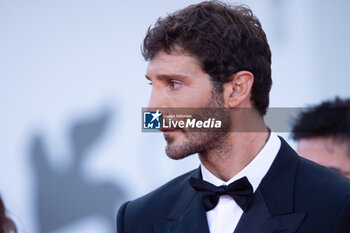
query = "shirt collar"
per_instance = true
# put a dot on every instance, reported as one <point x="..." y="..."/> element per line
<point x="255" y="170"/>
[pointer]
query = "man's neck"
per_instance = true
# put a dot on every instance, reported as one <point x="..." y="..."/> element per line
<point x="236" y="151"/>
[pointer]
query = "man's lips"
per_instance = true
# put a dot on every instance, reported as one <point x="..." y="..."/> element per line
<point x="167" y="132"/>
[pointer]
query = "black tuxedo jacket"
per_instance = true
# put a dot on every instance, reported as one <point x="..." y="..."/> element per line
<point x="296" y="195"/>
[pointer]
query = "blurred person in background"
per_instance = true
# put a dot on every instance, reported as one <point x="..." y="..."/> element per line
<point x="323" y="135"/>
<point x="216" y="55"/>
<point x="6" y="224"/>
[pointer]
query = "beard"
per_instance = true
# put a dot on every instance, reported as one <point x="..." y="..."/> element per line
<point x="190" y="142"/>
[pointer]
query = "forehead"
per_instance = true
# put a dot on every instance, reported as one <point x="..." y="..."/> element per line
<point x="179" y="63"/>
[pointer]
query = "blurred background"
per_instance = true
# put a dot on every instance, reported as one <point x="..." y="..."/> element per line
<point x="72" y="86"/>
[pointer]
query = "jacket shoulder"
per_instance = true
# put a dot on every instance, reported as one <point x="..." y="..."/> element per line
<point x="155" y="205"/>
<point x="324" y="195"/>
<point x="166" y="193"/>
<point x="322" y="180"/>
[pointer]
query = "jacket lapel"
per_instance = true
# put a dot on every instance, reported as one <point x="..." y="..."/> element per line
<point x="188" y="214"/>
<point x="259" y="219"/>
<point x="272" y="208"/>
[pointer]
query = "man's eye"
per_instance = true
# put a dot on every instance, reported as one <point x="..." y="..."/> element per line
<point x="174" y="84"/>
<point x="150" y="83"/>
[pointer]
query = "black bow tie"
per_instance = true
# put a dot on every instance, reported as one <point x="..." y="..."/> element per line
<point x="240" y="190"/>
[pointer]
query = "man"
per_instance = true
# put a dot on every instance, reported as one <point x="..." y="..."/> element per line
<point x="214" y="55"/>
<point x="323" y="135"/>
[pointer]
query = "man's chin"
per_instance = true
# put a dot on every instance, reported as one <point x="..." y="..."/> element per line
<point x="176" y="152"/>
<point x="177" y="149"/>
<point x="174" y="147"/>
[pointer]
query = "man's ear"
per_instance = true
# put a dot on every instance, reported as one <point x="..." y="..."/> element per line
<point x="238" y="91"/>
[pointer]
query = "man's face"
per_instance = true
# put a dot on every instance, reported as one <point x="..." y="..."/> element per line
<point x="327" y="152"/>
<point x="178" y="81"/>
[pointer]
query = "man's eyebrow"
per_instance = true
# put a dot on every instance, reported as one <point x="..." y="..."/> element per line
<point x="169" y="76"/>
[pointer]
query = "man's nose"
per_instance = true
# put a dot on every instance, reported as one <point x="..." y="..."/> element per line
<point x="157" y="99"/>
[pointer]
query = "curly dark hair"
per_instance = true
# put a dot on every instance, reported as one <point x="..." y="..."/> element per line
<point x="328" y="119"/>
<point x="225" y="39"/>
<point x="6" y="224"/>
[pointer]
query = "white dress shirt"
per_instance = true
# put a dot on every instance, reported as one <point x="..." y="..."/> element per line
<point x="225" y="216"/>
